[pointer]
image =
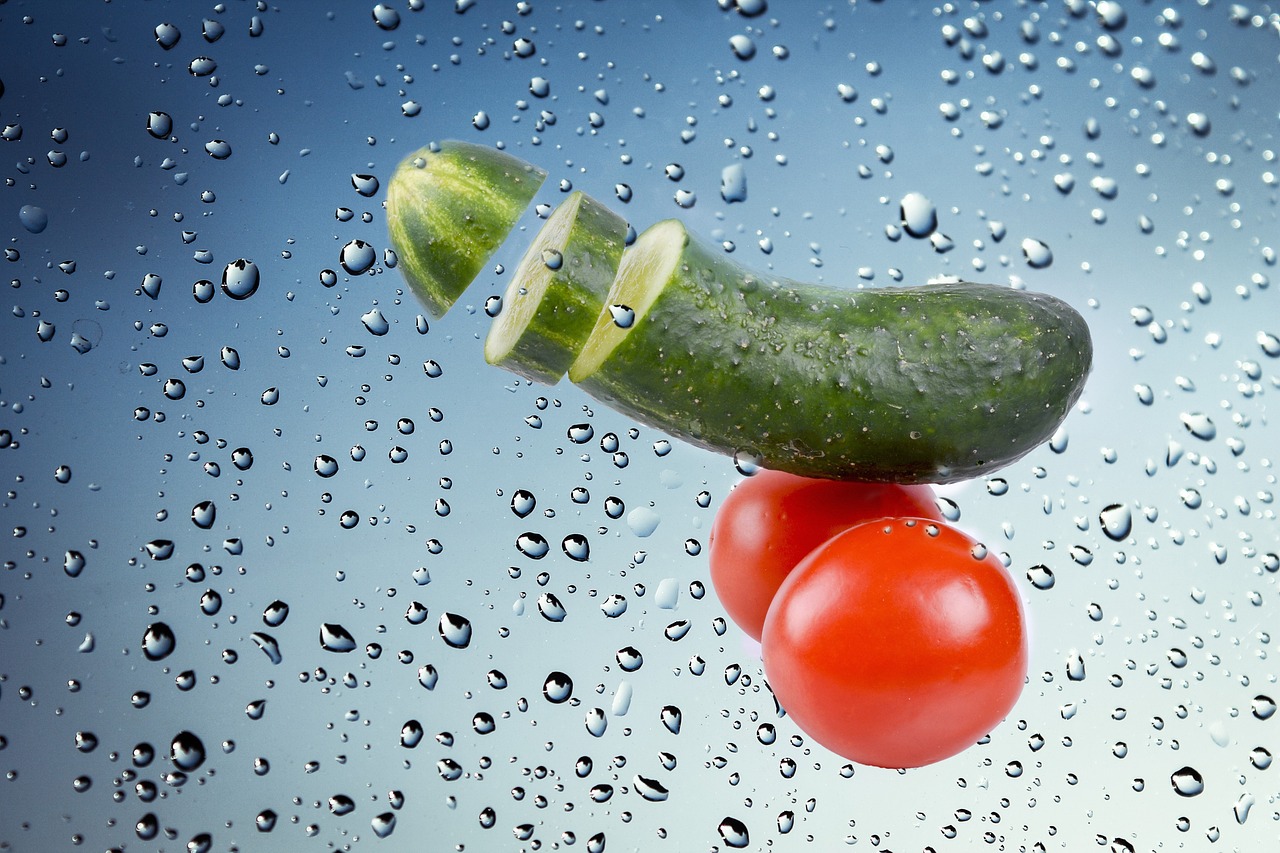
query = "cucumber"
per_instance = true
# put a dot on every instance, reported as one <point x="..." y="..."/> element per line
<point x="449" y="207"/>
<point x="557" y="291"/>
<point x="930" y="384"/>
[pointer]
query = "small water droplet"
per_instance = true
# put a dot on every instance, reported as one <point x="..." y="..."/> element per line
<point x="742" y="46"/>
<point x="1041" y="577"/>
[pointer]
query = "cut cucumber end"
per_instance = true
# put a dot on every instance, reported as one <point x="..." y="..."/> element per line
<point x="449" y="207"/>
<point x="643" y="273"/>
<point x="558" y="290"/>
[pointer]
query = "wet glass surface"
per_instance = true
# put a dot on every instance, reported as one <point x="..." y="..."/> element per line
<point x="288" y="566"/>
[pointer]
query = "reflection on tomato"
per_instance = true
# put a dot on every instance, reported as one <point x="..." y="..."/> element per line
<point x="898" y="643"/>
<point x="772" y="520"/>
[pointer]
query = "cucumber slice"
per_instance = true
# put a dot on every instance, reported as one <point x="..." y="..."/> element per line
<point x="449" y="207"/>
<point x="929" y="384"/>
<point x="558" y="290"/>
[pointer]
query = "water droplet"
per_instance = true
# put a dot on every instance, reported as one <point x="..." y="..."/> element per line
<point x="1198" y="424"/>
<point x="1263" y="707"/>
<point x="550" y="608"/>
<point x="240" y="279"/>
<point x="73" y="563"/>
<point x="335" y="638"/>
<point x="576" y="547"/>
<point x="651" y="789"/>
<point x="34" y="219"/>
<point x="383" y="824"/>
<point x="1187" y="782"/>
<point x="1260" y="757"/>
<point x="733" y="183"/>
<point x="596" y="722"/>
<point x="357" y="257"/>
<point x="524" y="48"/>
<point x="918" y="215"/>
<point x="203" y="514"/>
<point x="1270" y="344"/>
<point x="275" y="613"/>
<point x="557" y="687"/>
<point x="1041" y="577"/>
<point x="386" y="17"/>
<point x="1199" y="124"/>
<point x="167" y="35"/>
<point x="734" y="832"/>
<point x="455" y="630"/>
<point x="671" y="718"/>
<point x="158" y="641"/>
<point x="325" y="465"/>
<point x="629" y="658"/>
<point x="742" y="46"/>
<point x="186" y="751"/>
<point x="1038" y="254"/>
<point x="1117" y="522"/>
<point x="202" y="66"/>
<point x="375" y="322"/>
<point x="533" y="545"/>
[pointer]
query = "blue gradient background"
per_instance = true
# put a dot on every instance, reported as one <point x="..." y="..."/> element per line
<point x="824" y="178"/>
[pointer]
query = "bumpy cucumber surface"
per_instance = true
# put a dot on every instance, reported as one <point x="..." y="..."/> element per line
<point x="928" y="384"/>
<point x="558" y="290"/>
<point x="449" y="208"/>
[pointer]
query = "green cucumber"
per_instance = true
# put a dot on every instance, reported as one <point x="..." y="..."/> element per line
<point x="929" y="384"/>
<point x="449" y="207"/>
<point x="557" y="291"/>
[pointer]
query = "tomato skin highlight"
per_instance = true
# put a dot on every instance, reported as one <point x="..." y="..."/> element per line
<point x="772" y="520"/>
<point x="897" y="643"/>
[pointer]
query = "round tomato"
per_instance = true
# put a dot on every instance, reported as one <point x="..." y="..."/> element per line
<point x="897" y="643"/>
<point x="772" y="520"/>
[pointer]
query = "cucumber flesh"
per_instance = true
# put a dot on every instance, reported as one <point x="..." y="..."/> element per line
<point x="937" y="383"/>
<point x="557" y="291"/>
<point x="449" y="208"/>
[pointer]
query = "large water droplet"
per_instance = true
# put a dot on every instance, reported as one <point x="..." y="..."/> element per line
<point x="733" y="183"/>
<point x="167" y="35"/>
<point x="186" y="751"/>
<point x="158" y="641"/>
<point x="1117" y="521"/>
<point x="455" y="630"/>
<point x="551" y="608"/>
<point x="33" y="218"/>
<point x="240" y="279"/>
<point x="357" y="257"/>
<point x="734" y="832"/>
<point x="203" y="514"/>
<point x="557" y="687"/>
<point x="335" y="638"/>
<point x="1038" y="254"/>
<point x="651" y="789"/>
<point x="1187" y="782"/>
<point x="918" y="215"/>
<point x="159" y="124"/>
<point x="1199" y="424"/>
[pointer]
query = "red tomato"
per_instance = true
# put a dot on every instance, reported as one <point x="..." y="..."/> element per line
<point x="898" y="643"/>
<point x="772" y="520"/>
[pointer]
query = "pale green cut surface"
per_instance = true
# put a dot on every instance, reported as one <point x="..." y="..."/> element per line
<point x="535" y="273"/>
<point x="643" y="274"/>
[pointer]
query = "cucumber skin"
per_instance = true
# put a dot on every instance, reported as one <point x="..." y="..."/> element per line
<point x="575" y="298"/>
<point x="931" y="384"/>
<point x="448" y="211"/>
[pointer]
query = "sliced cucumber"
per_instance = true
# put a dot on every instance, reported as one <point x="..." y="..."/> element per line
<point x="558" y="290"/>
<point x="449" y="208"/>
<point x="936" y="383"/>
